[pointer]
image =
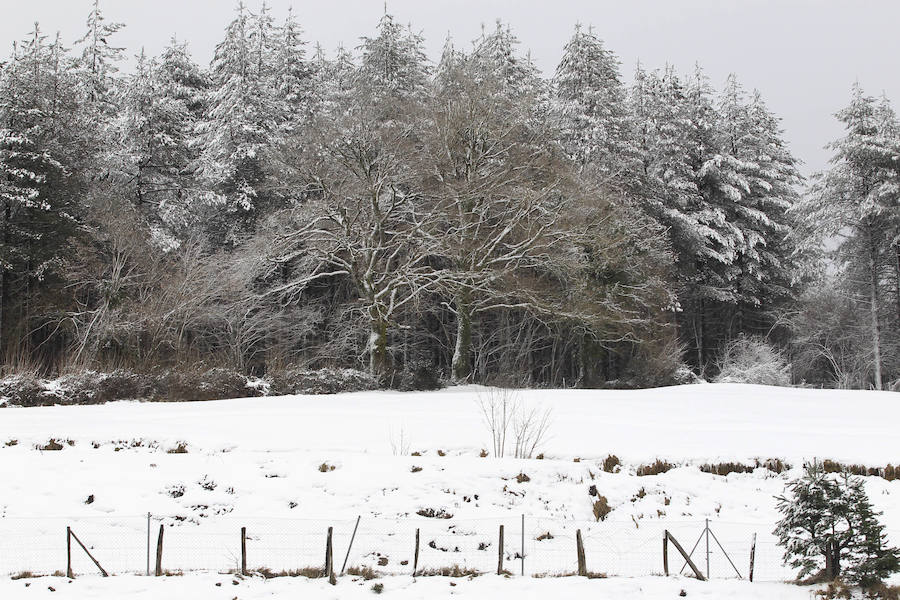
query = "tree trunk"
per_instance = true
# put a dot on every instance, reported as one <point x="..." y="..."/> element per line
<point x="897" y="280"/>
<point x="461" y="366"/>
<point x="701" y="337"/>
<point x="876" y="325"/>
<point x="378" y="362"/>
<point x="836" y="560"/>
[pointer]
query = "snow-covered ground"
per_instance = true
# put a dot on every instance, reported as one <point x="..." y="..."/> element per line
<point x="219" y="587"/>
<point x="287" y="468"/>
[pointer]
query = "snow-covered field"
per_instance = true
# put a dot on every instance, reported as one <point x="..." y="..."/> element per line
<point x="287" y="468"/>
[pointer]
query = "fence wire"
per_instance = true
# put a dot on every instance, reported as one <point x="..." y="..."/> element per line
<point x="543" y="547"/>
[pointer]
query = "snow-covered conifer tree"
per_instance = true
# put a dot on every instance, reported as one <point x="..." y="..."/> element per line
<point x="590" y="105"/>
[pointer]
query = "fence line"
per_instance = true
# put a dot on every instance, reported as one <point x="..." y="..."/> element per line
<point x="533" y="545"/>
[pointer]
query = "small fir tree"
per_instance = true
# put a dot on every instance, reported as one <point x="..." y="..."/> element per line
<point x="829" y="529"/>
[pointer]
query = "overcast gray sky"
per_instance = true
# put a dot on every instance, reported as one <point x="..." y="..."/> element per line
<point x="803" y="55"/>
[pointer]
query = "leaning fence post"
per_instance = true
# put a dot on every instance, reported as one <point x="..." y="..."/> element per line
<point x="329" y="558"/>
<point x="352" y="537"/>
<point x="416" y="556"/>
<point x="243" y="551"/>
<point x="752" y="556"/>
<point x="686" y="557"/>
<point x="88" y="552"/>
<point x="500" y="553"/>
<point x="666" y="553"/>
<point x="159" y="550"/>
<point x="69" y="572"/>
<point x="579" y="549"/>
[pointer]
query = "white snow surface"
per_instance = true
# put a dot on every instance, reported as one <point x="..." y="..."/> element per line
<point x="396" y="588"/>
<point x="287" y="468"/>
<point x="692" y="422"/>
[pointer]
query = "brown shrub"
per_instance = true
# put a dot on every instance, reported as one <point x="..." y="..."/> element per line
<point x="453" y="571"/>
<point x="611" y="463"/>
<point x="52" y="445"/>
<point x="656" y="468"/>
<point x="601" y="508"/>
<point x="522" y="478"/>
<point x="309" y="572"/>
<point x="726" y="468"/>
<point x="774" y="464"/>
<point x="836" y="589"/>
<point x="366" y="573"/>
<point x="883" y="591"/>
<point x="589" y="575"/>
<point x="434" y="514"/>
<point x="180" y="448"/>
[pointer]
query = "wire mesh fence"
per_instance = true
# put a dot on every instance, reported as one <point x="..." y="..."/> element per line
<point x="532" y="546"/>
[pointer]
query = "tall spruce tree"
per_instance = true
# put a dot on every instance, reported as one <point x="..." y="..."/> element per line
<point x="236" y="133"/>
<point x="592" y="113"/>
<point x="857" y="201"/>
<point x="40" y="174"/>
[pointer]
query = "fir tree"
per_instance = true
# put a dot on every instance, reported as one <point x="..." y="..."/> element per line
<point x="393" y="63"/>
<point x="858" y="199"/>
<point x="829" y="529"/>
<point x="236" y="133"/>
<point x="39" y="211"/>
<point x="99" y="58"/>
<point x="595" y="127"/>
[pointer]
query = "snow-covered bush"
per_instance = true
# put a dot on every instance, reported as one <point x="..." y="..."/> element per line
<point x="658" y="363"/>
<point x="747" y="359"/>
<point x="92" y="387"/>
<point x="321" y="381"/>
<point x="23" y="390"/>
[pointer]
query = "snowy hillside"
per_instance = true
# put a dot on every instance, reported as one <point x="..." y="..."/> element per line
<point x="287" y="468"/>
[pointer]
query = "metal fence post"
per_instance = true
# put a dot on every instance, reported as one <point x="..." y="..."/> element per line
<point x="523" y="545"/>
<point x="707" y="548"/>
<point x="147" y="572"/>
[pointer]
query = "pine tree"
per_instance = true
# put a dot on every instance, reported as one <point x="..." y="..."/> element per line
<point x="38" y="179"/>
<point x="393" y="63"/>
<point x="292" y="77"/>
<point x="496" y="59"/>
<point x="99" y="58"/>
<point x="829" y="529"/>
<point x="161" y="105"/>
<point x="768" y="177"/>
<point x="590" y="105"/>
<point x="858" y="197"/>
<point x="236" y="133"/>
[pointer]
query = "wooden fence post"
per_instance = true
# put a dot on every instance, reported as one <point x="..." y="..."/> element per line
<point x="752" y="556"/>
<point x="159" y="550"/>
<point x="579" y="548"/>
<point x="666" y="553"/>
<point x="329" y="558"/>
<point x="686" y="556"/>
<point x="86" y="551"/>
<point x="69" y="572"/>
<point x="500" y="553"/>
<point x="243" y="551"/>
<point x="416" y="556"/>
